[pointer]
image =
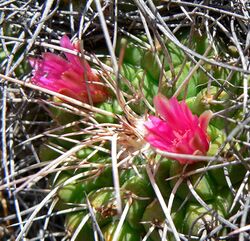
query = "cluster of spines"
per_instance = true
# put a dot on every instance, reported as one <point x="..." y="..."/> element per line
<point x="141" y="70"/>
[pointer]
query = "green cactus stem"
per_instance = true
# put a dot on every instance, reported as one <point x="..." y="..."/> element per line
<point x="203" y="183"/>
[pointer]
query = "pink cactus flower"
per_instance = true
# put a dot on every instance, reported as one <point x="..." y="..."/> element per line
<point x="71" y="76"/>
<point x="178" y="130"/>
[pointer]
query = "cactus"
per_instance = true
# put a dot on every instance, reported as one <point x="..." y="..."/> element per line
<point x="144" y="217"/>
<point x="124" y="120"/>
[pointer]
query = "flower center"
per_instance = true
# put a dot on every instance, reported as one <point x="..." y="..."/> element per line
<point x="179" y="136"/>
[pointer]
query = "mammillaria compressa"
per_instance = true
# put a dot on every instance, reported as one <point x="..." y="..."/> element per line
<point x="178" y="130"/>
<point x="72" y="76"/>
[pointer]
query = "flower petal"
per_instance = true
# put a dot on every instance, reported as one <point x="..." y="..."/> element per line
<point x="72" y="76"/>
<point x="162" y="106"/>
<point x="204" y="119"/>
<point x="179" y="131"/>
<point x="73" y="59"/>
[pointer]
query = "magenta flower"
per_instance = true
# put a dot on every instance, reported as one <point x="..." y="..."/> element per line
<point x="71" y="76"/>
<point x="178" y="130"/>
